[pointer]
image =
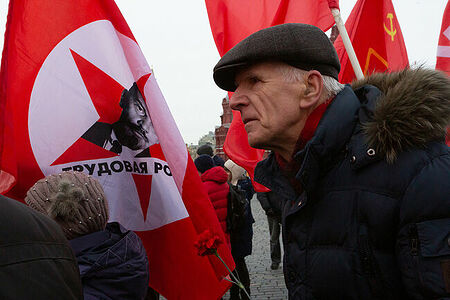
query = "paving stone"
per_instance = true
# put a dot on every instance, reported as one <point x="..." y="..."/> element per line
<point x="265" y="283"/>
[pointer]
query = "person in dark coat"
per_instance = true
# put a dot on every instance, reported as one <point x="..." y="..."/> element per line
<point x="272" y="207"/>
<point x="241" y="239"/>
<point x="36" y="261"/>
<point x="112" y="260"/>
<point x="208" y="150"/>
<point x="362" y="169"/>
<point x="113" y="263"/>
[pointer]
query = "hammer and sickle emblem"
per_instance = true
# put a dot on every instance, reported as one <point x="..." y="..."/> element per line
<point x="392" y="32"/>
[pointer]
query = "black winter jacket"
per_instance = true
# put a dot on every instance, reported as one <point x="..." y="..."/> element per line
<point x="36" y="261"/>
<point x="242" y="240"/>
<point x="271" y="204"/>
<point x="373" y="221"/>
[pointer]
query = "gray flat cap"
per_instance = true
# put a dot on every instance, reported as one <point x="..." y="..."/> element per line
<point x="300" y="45"/>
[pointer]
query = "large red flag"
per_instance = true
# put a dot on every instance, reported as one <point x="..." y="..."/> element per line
<point x="233" y="20"/>
<point x="77" y="94"/>
<point x="443" y="51"/>
<point x="375" y="33"/>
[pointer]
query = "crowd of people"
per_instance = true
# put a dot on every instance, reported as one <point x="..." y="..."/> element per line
<point x="358" y="177"/>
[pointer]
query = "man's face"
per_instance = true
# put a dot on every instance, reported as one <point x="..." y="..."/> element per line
<point x="134" y="128"/>
<point x="269" y="106"/>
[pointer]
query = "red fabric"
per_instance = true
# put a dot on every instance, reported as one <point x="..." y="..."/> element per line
<point x="375" y="33"/>
<point x="311" y="124"/>
<point x="447" y="137"/>
<point x="333" y="4"/>
<point x="194" y="280"/>
<point x="237" y="148"/>
<point x="215" y="181"/>
<point x="34" y="30"/>
<point x="233" y="20"/>
<point x="443" y="52"/>
<point x="290" y="168"/>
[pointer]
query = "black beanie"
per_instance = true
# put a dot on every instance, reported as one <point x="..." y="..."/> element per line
<point x="218" y="161"/>
<point x="205" y="149"/>
<point x="203" y="163"/>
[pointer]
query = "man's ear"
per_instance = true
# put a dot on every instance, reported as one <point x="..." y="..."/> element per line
<point x="313" y="90"/>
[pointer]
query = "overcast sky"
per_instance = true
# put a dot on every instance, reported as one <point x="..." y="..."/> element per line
<point x="176" y="40"/>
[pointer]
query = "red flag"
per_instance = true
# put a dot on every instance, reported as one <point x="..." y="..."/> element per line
<point x="233" y="20"/>
<point x="77" y="94"/>
<point x="375" y="33"/>
<point x="443" y="51"/>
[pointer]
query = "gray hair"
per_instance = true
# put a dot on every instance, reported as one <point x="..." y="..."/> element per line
<point x="331" y="86"/>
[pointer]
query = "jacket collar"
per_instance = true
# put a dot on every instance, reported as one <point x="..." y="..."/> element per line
<point x="331" y="136"/>
<point x="375" y="119"/>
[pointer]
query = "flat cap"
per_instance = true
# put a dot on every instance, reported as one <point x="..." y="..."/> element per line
<point x="300" y="45"/>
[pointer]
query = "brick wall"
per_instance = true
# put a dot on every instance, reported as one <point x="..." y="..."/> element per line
<point x="221" y="131"/>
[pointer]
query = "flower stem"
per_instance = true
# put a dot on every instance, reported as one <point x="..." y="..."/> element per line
<point x="236" y="280"/>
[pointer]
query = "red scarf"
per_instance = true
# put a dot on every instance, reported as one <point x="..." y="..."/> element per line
<point x="290" y="168"/>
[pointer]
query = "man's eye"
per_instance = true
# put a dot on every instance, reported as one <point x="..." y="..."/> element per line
<point x="254" y="80"/>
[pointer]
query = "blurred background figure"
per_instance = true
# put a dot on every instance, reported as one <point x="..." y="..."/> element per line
<point x="208" y="150"/>
<point x="272" y="206"/>
<point x="112" y="260"/>
<point x="36" y="261"/>
<point x="241" y="237"/>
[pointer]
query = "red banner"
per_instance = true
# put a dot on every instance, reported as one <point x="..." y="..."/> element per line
<point x="77" y="94"/>
<point x="443" y="51"/>
<point x="375" y="33"/>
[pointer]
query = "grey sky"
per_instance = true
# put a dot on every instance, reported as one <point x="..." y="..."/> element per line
<point x="176" y="40"/>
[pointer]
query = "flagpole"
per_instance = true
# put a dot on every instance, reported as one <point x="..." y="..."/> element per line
<point x="347" y="43"/>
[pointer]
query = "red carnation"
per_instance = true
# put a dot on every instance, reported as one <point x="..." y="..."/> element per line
<point x="207" y="243"/>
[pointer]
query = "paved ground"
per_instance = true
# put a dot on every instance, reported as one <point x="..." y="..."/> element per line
<point x="265" y="283"/>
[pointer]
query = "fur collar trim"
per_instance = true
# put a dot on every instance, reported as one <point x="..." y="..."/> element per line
<point x="413" y="110"/>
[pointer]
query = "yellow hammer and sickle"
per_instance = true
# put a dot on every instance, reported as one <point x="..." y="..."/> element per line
<point x="391" y="31"/>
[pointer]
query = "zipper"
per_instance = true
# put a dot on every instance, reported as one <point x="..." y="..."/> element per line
<point x="413" y="240"/>
<point x="365" y="252"/>
<point x="369" y="265"/>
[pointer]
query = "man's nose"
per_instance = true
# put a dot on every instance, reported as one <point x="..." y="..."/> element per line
<point x="238" y="99"/>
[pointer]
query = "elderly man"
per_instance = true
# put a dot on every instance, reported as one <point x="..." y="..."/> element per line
<point x="362" y="170"/>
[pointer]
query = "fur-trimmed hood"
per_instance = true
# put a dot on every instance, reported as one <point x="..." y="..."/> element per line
<point x="413" y="110"/>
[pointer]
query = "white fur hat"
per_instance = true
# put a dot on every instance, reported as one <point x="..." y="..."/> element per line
<point x="237" y="172"/>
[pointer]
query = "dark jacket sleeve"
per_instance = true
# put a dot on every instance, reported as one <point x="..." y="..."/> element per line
<point x="423" y="241"/>
<point x="247" y="187"/>
<point x="263" y="200"/>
